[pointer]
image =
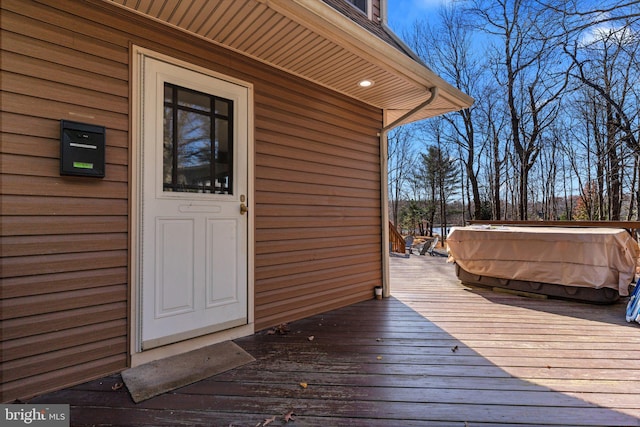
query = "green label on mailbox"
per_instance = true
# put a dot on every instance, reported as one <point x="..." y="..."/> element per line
<point x="82" y="165"/>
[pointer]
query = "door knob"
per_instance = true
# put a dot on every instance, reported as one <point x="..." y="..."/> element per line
<point x="243" y="209"/>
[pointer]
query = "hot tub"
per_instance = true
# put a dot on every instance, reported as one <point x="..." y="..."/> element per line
<point x="588" y="264"/>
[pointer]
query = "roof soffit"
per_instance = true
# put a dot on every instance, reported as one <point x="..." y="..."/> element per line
<point x="310" y="39"/>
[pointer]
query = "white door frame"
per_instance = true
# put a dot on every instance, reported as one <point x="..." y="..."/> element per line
<point x="137" y="80"/>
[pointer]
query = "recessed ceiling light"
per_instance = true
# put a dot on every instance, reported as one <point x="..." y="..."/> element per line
<point x="365" y="83"/>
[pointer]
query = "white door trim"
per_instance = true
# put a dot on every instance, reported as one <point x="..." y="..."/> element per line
<point x="136" y="78"/>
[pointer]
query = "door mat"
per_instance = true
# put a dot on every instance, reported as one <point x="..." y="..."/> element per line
<point x="160" y="376"/>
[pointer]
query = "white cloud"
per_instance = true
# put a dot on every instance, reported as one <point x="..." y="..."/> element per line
<point x="603" y="29"/>
<point x="599" y="33"/>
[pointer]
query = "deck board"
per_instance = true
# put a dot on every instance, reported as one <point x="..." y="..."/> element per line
<point x="437" y="353"/>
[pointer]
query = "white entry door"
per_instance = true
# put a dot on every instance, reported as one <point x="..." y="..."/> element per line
<point x="193" y="173"/>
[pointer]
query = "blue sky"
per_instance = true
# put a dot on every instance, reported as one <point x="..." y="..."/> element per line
<point x="403" y="13"/>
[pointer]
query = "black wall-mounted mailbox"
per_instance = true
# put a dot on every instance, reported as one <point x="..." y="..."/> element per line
<point x="82" y="149"/>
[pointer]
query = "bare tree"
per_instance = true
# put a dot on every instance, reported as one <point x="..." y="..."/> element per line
<point x="605" y="61"/>
<point x="603" y="13"/>
<point x="583" y="149"/>
<point x="401" y="158"/>
<point x="448" y="49"/>
<point x="556" y="124"/>
<point x="441" y="177"/>
<point x="522" y="66"/>
<point x="492" y="124"/>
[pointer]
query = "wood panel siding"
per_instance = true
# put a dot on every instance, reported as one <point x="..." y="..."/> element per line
<point x="317" y="179"/>
<point x="65" y="240"/>
<point x="317" y="160"/>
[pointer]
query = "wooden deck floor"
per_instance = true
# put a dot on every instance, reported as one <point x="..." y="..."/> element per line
<point x="436" y="353"/>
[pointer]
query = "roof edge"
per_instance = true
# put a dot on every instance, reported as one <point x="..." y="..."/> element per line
<point x="332" y="24"/>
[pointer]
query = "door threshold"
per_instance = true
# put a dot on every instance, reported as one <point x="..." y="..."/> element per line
<point x="142" y="357"/>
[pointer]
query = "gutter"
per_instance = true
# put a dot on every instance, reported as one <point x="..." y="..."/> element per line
<point x="434" y="94"/>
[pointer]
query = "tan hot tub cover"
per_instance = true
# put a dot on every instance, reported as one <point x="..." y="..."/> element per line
<point x="583" y="257"/>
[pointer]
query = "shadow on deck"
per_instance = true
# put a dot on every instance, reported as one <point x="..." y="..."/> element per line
<point x="436" y="353"/>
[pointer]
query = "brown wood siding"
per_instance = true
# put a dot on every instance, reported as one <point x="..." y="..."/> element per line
<point x="317" y="202"/>
<point x="65" y="241"/>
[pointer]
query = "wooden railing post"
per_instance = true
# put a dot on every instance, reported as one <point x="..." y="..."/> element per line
<point x="395" y="239"/>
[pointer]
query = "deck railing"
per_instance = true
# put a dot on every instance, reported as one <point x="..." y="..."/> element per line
<point x="395" y="239"/>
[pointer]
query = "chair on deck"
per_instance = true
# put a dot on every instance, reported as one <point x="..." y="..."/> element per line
<point x="429" y="249"/>
<point x="408" y="244"/>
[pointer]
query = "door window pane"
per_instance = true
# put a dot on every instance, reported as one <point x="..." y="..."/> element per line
<point x="198" y="142"/>
<point x="222" y="107"/>
<point x="194" y="100"/>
